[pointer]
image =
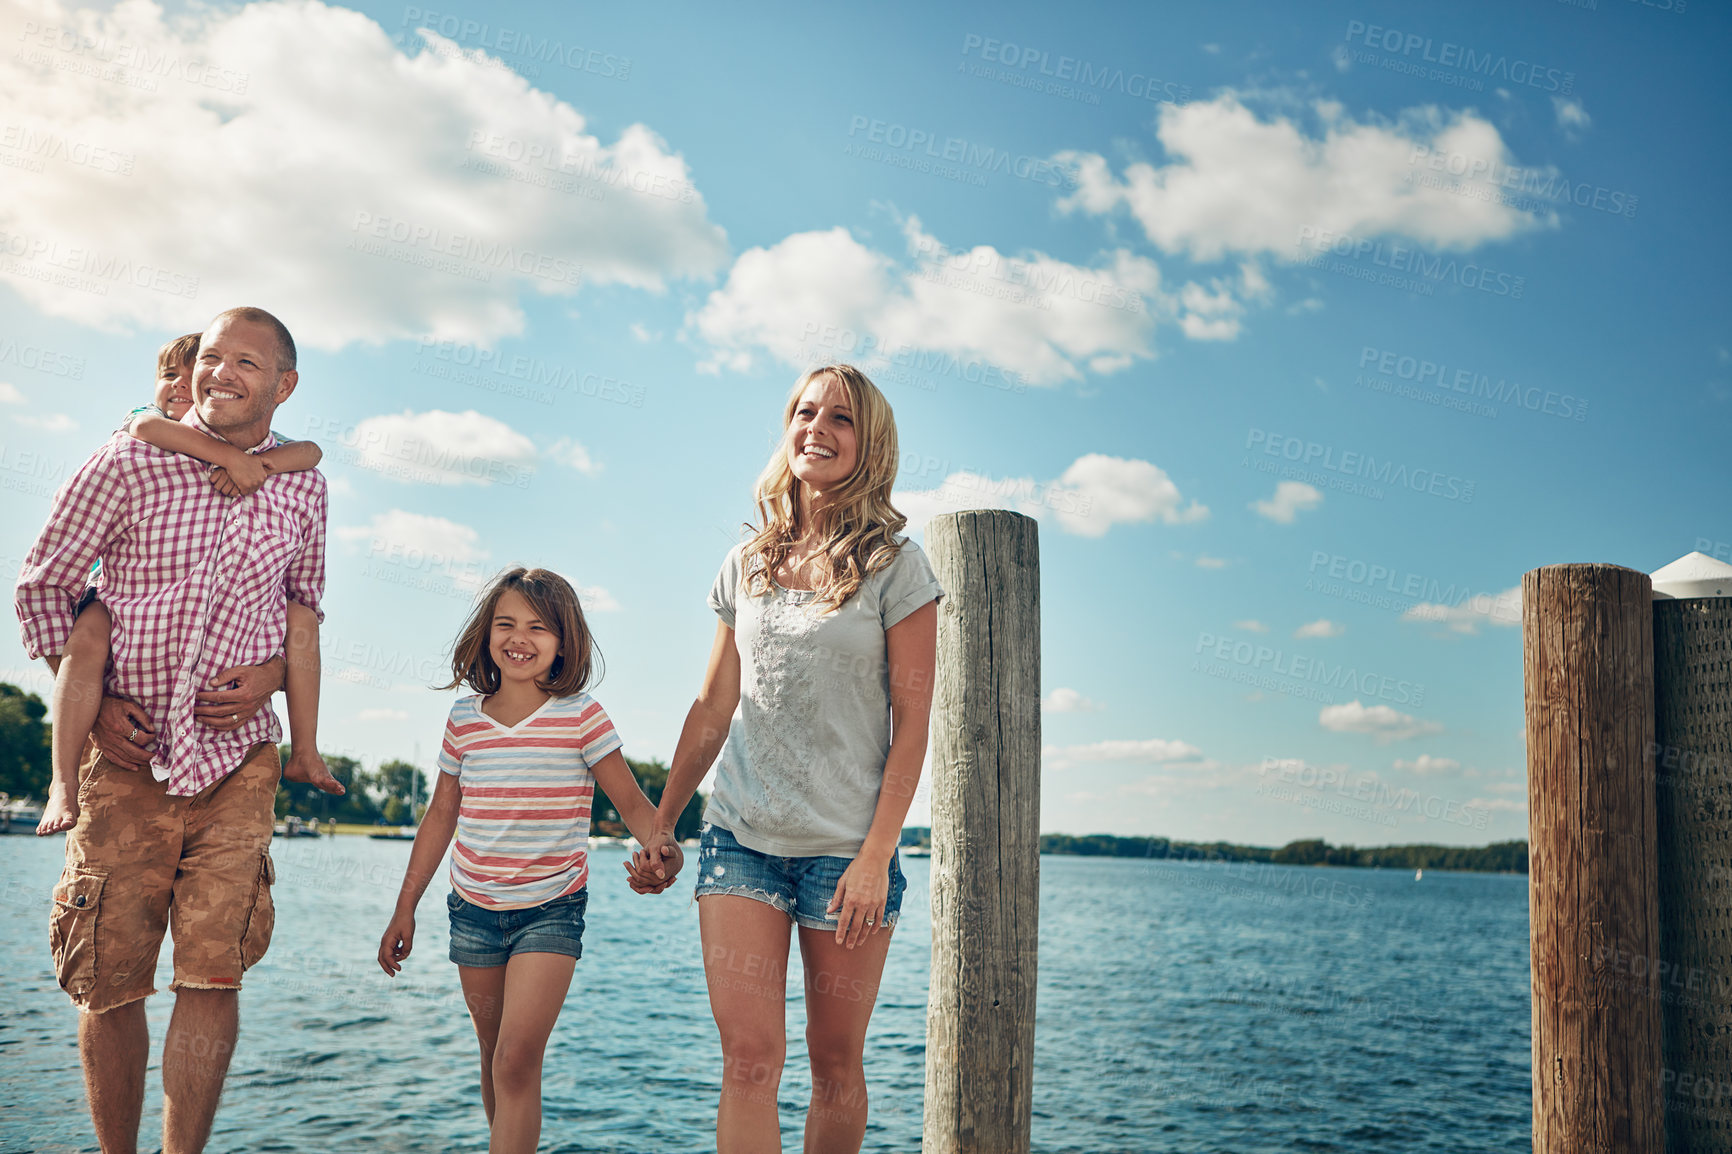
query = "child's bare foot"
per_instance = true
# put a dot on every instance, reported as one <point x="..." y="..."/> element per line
<point x="61" y="812"/>
<point x="310" y="769"/>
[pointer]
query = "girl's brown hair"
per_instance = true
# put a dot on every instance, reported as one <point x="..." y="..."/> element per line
<point x="555" y="603"/>
<point x="857" y="531"/>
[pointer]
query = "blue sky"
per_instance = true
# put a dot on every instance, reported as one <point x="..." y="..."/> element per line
<point x="1301" y="362"/>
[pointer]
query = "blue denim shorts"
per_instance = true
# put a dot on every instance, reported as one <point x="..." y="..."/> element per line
<point x="800" y="887"/>
<point x="484" y="937"/>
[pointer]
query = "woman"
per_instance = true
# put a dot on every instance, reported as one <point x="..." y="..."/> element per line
<point x="825" y="644"/>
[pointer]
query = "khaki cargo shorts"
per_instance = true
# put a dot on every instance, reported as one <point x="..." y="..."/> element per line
<point x="141" y="861"/>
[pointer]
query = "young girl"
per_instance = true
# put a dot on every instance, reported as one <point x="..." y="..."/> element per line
<point x="78" y="684"/>
<point x="826" y="646"/>
<point x="519" y="765"/>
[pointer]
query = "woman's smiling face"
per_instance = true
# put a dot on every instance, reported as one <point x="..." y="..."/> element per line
<point x="521" y="644"/>
<point x="820" y="441"/>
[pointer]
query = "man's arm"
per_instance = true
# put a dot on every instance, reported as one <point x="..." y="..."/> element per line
<point x="88" y="512"/>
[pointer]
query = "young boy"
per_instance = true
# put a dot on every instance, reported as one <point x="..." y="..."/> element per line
<point x="78" y="685"/>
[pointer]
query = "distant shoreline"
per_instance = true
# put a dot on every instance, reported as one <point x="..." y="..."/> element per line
<point x="1509" y="857"/>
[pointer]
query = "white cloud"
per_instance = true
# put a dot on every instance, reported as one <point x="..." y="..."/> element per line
<point x="47" y="422"/>
<point x="382" y="715"/>
<point x="1425" y="763"/>
<point x="419" y="542"/>
<point x="9" y="394"/>
<point x="1237" y="184"/>
<point x="1153" y="749"/>
<point x="819" y="296"/>
<point x="441" y="448"/>
<point x="1251" y="625"/>
<point x="1290" y="499"/>
<point x="1092" y="495"/>
<point x="1382" y="722"/>
<point x="568" y="452"/>
<point x="1204" y="561"/>
<point x="1062" y="700"/>
<point x="595" y="599"/>
<point x="1322" y="627"/>
<point x="1572" y="117"/>
<point x="1467" y="616"/>
<point x="378" y="195"/>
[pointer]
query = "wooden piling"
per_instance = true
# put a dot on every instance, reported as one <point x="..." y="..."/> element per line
<point x="985" y="834"/>
<point x="1693" y="733"/>
<point x="1588" y="669"/>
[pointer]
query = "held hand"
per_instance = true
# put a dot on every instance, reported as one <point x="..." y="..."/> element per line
<point x="245" y="472"/>
<point x="123" y="733"/>
<point x="236" y="694"/>
<point x="398" y="940"/>
<point x="861" y="895"/>
<point x="308" y="768"/>
<point x="650" y="871"/>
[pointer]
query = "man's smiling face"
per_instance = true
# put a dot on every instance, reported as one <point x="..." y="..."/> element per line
<point x="235" y="384"/>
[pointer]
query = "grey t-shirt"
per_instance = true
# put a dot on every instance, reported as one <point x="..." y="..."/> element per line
<point x="801" y="768"/>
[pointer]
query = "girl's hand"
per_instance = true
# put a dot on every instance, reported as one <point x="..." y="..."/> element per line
<point x="399" y="939"/>
<point x="641" y="869"/>
<point x="861" y="895"/>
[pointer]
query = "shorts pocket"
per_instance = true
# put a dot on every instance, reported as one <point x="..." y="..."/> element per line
<point x="256" y="938"/>
<point x="72" y="928"/>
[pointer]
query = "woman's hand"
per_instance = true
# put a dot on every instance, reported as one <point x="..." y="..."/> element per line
<point x="398" y="940"/>
<point x="641" y="869"/>
<point x="860" y="898"/>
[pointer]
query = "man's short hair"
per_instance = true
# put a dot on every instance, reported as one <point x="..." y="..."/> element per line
<point x="285" y="342"/>
<point x="179" y="353"/>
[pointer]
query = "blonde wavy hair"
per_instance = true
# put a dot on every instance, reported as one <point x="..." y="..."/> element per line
<point x="856" y="529"/>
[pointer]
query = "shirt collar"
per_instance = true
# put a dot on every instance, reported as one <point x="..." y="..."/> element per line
<point x="191" y="418"/>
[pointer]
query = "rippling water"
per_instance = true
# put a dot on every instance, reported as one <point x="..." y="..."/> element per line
<point x="1182" y="1008"/>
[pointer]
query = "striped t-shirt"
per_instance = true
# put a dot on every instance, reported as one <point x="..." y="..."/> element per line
<point x="523" y="822"/>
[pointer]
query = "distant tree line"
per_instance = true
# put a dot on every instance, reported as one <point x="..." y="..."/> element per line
<point x="393" y="794"/>
<point x="1500" y="857"/>
<point x="397" y="793"/>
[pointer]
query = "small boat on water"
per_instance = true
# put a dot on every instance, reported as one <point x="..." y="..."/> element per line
<point x="19" y="815"/>
<point x="293" y="826"/>
<point x="1418" y="875"/>
<point x="401" y="833"/>
<point x="916" y="851"/>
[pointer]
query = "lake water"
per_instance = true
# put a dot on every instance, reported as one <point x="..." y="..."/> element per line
<point x="1182" y="1007"/>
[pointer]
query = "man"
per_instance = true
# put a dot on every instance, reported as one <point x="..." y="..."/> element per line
<point x="177" y="794"/>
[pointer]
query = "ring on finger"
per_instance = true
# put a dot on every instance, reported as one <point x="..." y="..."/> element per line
<point x="133" y="734"/>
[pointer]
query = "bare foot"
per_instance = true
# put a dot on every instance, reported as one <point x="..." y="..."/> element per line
<point x="61" y="812"/>
<point x="309" y="769"/>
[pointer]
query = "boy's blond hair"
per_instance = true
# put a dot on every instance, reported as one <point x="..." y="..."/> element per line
<point x="179" y="353"/>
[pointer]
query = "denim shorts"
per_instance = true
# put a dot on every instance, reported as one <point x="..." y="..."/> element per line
<point x="800" y="887"/>
<point x="484" y="937"/>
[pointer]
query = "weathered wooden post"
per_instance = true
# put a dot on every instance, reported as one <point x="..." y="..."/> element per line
<point x="1588" y="669"/>
<point x="985" y="834"/>
<point x="1693" y="812"/>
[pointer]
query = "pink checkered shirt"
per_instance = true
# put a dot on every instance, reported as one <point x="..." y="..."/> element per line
<point x="196" y="583"/>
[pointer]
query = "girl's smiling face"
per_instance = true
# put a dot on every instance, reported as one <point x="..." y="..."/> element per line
<point x="174" y="391"/>
<point x="522" y="645"/>
<point x="820" y="440"/>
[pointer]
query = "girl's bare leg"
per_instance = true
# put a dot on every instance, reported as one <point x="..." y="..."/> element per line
<point x="76" y="699"/>
<point x="535" y="986"/>
<point x="746" y="965"/>
<point x="484" y="994"/>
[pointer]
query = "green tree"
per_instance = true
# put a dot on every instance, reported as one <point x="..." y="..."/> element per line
<point x="360" y="805"/>
<point x="652" y="776"/>
<point x="25" y="765"/>
<point x="400" y="779"/>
